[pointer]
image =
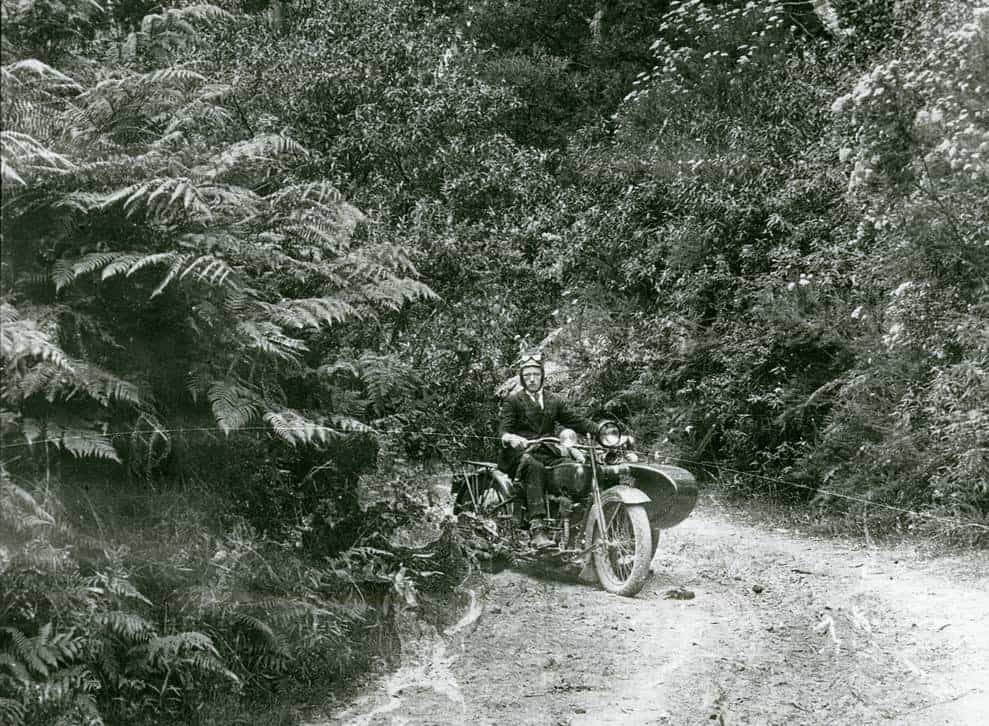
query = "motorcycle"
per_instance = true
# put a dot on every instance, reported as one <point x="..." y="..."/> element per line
<point x="604" y="518"/>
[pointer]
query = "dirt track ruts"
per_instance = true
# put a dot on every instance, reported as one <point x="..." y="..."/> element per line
<point x="782" y="629"/>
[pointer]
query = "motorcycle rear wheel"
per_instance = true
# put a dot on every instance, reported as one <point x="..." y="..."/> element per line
<point x="623" y="567"/>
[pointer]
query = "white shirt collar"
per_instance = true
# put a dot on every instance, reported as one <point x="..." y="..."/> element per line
<point x="537" y="398"/>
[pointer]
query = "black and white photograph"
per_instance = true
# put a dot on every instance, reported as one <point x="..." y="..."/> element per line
<point x="494" y="363"/>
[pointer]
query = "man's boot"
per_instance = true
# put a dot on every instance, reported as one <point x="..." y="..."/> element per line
<point x="537" y="535"/>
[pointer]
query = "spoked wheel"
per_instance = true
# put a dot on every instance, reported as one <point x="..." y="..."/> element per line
<point x="622" y="559"/>
<point x="481" y="495"/>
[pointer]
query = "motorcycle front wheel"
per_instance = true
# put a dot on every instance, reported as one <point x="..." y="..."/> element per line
<point x="622" y="559"/>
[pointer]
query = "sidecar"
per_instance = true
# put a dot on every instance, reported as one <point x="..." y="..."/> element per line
<point x="671" y="491"/>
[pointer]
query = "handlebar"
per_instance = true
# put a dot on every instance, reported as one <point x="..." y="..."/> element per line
<point x="531" y="443"/>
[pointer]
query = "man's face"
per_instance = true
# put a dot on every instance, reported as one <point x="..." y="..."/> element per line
<point x="532" y="379"/>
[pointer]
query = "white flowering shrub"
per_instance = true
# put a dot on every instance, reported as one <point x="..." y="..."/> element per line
<point x="728" y="60"/>
<point x="797" y="230"/>
<point x="922" y="121"/>
<point x="916" y="148"/>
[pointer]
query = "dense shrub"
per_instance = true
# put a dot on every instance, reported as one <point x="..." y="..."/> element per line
<point x="791" y="255"/>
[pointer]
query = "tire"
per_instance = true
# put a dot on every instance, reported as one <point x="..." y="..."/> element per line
<point x="480" y="511"/>
<point x="623" y="568"/>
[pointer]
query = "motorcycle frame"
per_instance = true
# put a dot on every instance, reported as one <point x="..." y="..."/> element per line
<point x="596" y="493"/>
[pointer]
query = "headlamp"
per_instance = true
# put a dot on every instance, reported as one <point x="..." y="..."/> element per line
<point x="609" y="434"/>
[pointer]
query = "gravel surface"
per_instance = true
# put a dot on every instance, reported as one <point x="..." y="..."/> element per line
<point x="739" y="625"/>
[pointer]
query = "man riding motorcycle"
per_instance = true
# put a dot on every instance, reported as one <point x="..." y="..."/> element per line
<point x="531" y="413"/>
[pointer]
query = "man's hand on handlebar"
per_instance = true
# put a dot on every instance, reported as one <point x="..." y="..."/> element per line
<point x="514" y="441"/>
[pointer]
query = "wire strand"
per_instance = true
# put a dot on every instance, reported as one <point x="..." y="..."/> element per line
<point x="821" y="490"/>
<point x="957" y="522"/>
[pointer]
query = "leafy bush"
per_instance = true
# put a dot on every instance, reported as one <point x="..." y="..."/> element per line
<point x="760" y="309"/>
<point x="78" y="647"/>
<point x="114" y="174"/>
<point x="915" y="137"/>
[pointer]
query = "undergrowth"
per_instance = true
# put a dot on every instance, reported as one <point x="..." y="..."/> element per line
<point x="122" y="611"/>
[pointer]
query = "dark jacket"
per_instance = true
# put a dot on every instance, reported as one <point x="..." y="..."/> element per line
<point x="520" y="415"/>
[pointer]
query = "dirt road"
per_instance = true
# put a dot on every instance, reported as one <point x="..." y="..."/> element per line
<point x="781" y="629"/>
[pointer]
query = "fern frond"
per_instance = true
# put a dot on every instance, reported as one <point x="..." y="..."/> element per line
<point x="178" y="262"/>
<point x="350" y="425"/>
<point x="159" y="258"/>
<point x="178" y="18"/>
<point x="260" y="148"/>
<point x="396" y="258"/>
<point x="123" y="88"/>
<point x="34" y="67"/>
<point x="301" y="194"/>
<point x="209" y="269"/>
<point x="131" y="627"/>
<point x="11" y="712"/>
<point x="169" y="75"/>
<point x="164" y="648"/>
<point x="327" y="237"/>
<point x="387" y="379"/>
<point x="121" y="265"/>
<point x="94" y="170"/>
<point x="313" y="312"/>
<point x="271" y="339"/>
<point x="65" y="272"/>
<point x="27" y="149"/>
<point x="120" y="587"/>
<point x="14" y="667"/>
<point x="295" y="428"/>
<point x="39" y="378"/>
<point x="42" y="557"/>
<point x="199" y="112"/>
<point x="165" y="197"/>
<point x="106" y="387"/>
<point x="394" y="293"/>
<point x="234" y="405"/>
<point x="215" y="92"/>
<point x="10" y="493"/>
<point x="28" y="651"/>
<point x="67" y="646"/>
<point x="21" y="153"/>
<point x="198" y="382"/>
<point x="9" y="175"/>
<point x="340" y="366"/>
<point x="69" y="684"/>
<point x="23" y="339"/>
<point x="209" y="664"/>
<point x="82" y="443"/>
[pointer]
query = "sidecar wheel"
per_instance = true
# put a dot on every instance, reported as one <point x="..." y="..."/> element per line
<point x="485" y="500"/>
<point x="623" y="568"/>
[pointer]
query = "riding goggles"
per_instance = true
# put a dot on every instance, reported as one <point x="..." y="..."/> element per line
<point x="533" y="360"/>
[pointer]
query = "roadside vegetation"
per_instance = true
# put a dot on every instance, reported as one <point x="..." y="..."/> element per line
<point x="259" y="258"/>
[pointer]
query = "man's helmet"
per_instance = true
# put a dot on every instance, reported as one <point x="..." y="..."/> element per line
<point x="533" y="359"/>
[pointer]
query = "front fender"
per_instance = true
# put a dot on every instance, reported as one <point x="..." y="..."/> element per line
<point x="625" y="495"/>
<point x="621" y="493"/>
